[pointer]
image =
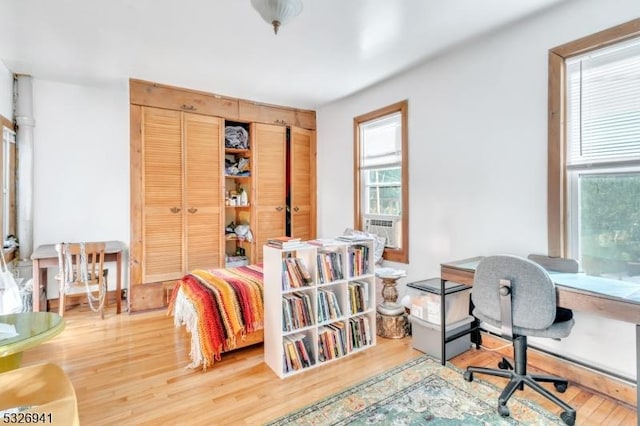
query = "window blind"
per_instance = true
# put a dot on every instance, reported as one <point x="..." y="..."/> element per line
<point x="603" y="105"/>
<point x="382" y="142"/>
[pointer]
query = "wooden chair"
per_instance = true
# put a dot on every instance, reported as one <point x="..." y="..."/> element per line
<point x="43" y="391"/>
<point x="82" y="269"/>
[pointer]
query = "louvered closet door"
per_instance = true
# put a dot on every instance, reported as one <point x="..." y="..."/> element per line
<point x="203" y="191"/>
<point x="302" y="160"/>
<point x="162" y="186"/>
<point x="269" y="156"/>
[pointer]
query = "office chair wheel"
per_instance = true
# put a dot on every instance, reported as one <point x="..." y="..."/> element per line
<point x="505" y="365"/>
<point x="503" y="410"/>
<point x="560" y="387"/>
<point x="468" y="376"/>
<point x="568" y="417"/>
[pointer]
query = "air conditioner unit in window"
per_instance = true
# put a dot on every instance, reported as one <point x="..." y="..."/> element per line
<point x="384" y="226"/>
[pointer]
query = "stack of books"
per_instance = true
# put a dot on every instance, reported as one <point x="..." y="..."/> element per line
<point x="285" y="243"/>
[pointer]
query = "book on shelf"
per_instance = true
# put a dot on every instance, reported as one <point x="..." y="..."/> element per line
<point x="328" y="306"/>
<point x="323" y="307"/>
<point x="296" y="363"/>
<point x="304" y="349"/>
<point x="295" y="273"/>
<point x="286" y="359"/>
<point x="360" y="332"/>
<point x="339" y="335"/>
<point x="304" y="272"/>
<point x="297" y="353"/>
<point x="329" y="266"/>
<point x="296" y="311"/>
<point x="285" y="242"/>
<point x="356" y="336"/>
<point x="324" y="242"/>
<point x="334" y="306"/>
<point x="332" y="341"/>
<point x="304" y="308"/>
<point x="358" y="260"/>
<point x="358" y="296"/>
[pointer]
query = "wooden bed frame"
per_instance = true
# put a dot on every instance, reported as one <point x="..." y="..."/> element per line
<point x="221" y="286"/>
<point x="250" y="339"/>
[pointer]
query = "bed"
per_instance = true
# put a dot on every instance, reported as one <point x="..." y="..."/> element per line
<point x="222" y="309"/>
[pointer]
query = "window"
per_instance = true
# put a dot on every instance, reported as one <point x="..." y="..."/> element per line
<point x="381" y="178"/>
<point x="594" y="157"/>
<point x="8" y="162"/>
<point x="8" y="140"/>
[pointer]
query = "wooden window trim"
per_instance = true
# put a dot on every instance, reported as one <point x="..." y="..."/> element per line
<point x="400" y="255"/>
<point x="9" y="253"/>
<point x="557" y="210"/>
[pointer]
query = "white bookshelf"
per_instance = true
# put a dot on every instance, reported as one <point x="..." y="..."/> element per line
<point x="349" y="317"/>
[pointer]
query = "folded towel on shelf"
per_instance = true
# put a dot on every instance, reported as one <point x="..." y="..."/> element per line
<point x="236" y="137"/>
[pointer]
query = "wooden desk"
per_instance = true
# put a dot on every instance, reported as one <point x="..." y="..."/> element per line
<point x="33" y="328"/>
<point x="46" y="256"/>
<point x="601" y="296"/>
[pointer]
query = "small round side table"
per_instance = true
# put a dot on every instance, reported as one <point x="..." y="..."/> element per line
<point x="391" y="320"/>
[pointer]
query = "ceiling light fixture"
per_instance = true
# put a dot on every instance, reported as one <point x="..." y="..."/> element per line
<point x="277" y="12"/>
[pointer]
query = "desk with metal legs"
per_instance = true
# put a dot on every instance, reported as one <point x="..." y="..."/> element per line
<point x="605" y="297"/>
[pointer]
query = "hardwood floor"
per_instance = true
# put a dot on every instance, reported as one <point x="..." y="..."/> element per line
<point x="130" y="369"/>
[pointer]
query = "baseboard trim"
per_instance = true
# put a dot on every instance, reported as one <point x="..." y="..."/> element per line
<point x="78" y="298"/>
<point x="599" y="382"/>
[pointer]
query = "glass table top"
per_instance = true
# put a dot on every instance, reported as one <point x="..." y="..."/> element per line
<point x="33" y="328"/>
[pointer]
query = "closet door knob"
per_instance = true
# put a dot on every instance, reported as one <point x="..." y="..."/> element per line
<point x="296" y="208"/>
<point x="279" y="208"/>
<point x="175" y="209"/>
<point x="192" y="210"/>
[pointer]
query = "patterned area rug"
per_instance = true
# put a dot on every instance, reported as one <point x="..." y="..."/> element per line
<point x="421" y="391"/>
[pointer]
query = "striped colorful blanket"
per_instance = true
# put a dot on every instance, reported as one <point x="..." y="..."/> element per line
<point x="218" y="307"/>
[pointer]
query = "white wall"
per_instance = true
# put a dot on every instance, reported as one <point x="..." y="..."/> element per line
<point x="478" y="152"/>
<point x="81" y="164"/>
<point x="6" y="92"/>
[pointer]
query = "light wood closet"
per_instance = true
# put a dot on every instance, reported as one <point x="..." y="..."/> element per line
<point x="178" y="183"/>
<point x="182" y="198"/>
<point x="302" y="172"/>
<point x="270" y="148"/>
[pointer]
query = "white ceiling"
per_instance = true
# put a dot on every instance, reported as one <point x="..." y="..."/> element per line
<point x="332" y="49"/>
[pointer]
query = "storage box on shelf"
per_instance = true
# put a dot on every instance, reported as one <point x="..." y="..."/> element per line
<point x="426" y="304"/>
<point x="426" y="337"/>
<point x="319" y="303"/>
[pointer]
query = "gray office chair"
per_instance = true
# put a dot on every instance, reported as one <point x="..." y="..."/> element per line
<point x="517" y="296"/>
